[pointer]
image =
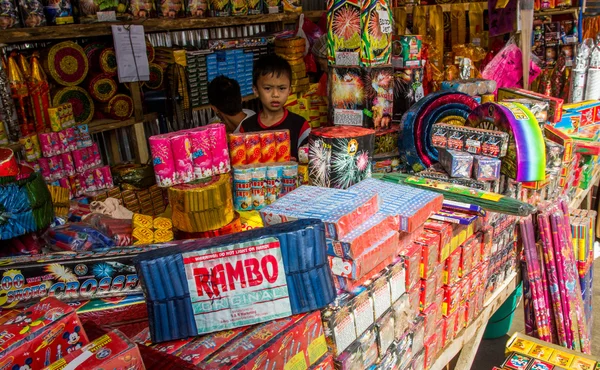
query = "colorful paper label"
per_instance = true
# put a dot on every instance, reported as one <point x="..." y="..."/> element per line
<point x="237" y="285"/>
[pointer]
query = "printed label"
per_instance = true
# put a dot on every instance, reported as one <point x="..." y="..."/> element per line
<point x="346" y="58"/>
<point x="109" y="16"/>
<point x="237" y="285"/>
<point x="347" y="117"/>
<point x="384" y="21"/>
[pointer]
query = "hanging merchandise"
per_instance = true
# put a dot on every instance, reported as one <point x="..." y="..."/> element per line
<point x="9" y="15"/>
<point x="66" y="63"/>
<point x="80" y="100"/>
<point x="415" y="144"/>
<point x="506" y="68"/>
<point x="296" y="279"/>
<point x="339" y="157"/>
<point x="20" y="95"/>
<point x="39" y="92"/>
<point x="592" y="88"/>
<point x="580" y="70"/>
<point x="9" y="121"/>
<point x="102" y="87"/>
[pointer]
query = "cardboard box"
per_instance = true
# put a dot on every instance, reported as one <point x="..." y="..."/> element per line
<point x="35" y="336"/>
<point x="111" y="351"/>
<point x="555" y="104"/>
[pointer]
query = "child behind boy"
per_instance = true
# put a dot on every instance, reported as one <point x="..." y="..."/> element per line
<point x="225" y="99"/>
<point x="272" y="83"/>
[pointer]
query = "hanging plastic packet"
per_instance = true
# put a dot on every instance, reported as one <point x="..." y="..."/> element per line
<point x="592" y="88"/>
<point x="580" y="68"/>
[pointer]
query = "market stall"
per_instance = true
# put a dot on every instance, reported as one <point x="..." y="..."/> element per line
<point x="415" y="167"/>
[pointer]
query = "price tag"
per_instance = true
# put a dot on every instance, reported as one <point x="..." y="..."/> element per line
<point x="384" y="21"/>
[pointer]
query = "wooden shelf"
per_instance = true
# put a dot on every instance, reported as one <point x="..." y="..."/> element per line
<point x="14" y="146"/>
<point x="102" y="125"/>
<point x="244" y="98"/>
<point x="557" y="11"/>
<point x="71" y="31"/>
<point x="581" y="194"/>
<point x="469" y="338"/>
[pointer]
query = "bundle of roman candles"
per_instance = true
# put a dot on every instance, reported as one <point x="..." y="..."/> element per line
<point x="236" y="280"/>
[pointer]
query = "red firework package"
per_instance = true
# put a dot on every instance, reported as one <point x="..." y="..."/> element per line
<point x="33" y="336"/>
<point x="111" y="351"/>
<point x="430" y="252"/>
<point x="202" y="348"/>
<point x="414" y="296"/>
<point x="263" y="147"/>
<point x="452" y="298"/>
<point x="117" y="229"/>
<point x="555" y="104"/>
<point x="450" y="274"/>
<point x="431" y="315"/>
<point x="383" y="250"/>
<point x="466" y="258"/>
<point x="429" y="287"/>
<point x="325" y="363"/>
<point x="412" y="261"/>
<point x="277" y="344"/>
<point x="432" y="347"/>
<point x="444" y="230"/>
<point x="355" y="243"/>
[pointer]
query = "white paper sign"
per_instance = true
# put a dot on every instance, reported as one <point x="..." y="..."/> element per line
<point x="384" y="21"/>
<point x="130" y="50"/>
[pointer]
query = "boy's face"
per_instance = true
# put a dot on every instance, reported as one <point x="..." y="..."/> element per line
<point x="273" y="91"/>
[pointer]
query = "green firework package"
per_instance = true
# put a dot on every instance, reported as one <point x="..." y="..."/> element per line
<point x="376" y="23"/>
<point x="340" y="157"/>
<point x="343" y="32"/>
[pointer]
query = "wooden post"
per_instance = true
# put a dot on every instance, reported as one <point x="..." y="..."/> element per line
<point x="140" y="148"/>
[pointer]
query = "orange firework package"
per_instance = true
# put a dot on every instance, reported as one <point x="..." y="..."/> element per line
<point x="259" y="147"/>
<point x="412" y="260"/>
<point x="39" y="334"/>
<point x="111" y="351"/>
<point x="292" y="342"/>
<point x="430" y="252"/>
<point x="444" y="229"/>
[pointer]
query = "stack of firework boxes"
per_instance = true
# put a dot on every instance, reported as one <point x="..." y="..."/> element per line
<point x="368" y="226"/>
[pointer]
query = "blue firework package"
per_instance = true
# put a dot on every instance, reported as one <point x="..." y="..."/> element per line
<point x="78" y="238"/>
<point x="70" y="276"/>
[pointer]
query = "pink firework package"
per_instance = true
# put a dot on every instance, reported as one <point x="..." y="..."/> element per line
<point x="68" y="164"/>
<point x="64" y="182"/>
<point x="219" y="150"/>
<point x="71" y="137"/>
<point x="95" y="154"/>
<point x="162" y="159"/>
<point x="200" y="140"/>
<point x="182" y="156"/>
<point x="44" y="168"/>
<point x="108" y="179"/>
<point x="56" y="167"/>
<point x="46" y="145"/>
<point x="79" y="159"/>
<point x="99" y="178"/>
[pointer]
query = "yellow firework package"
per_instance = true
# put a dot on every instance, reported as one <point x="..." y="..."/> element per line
<point x="162" y="223"/>
<point x="142" y="221"/>
<point x="143" y="235"/>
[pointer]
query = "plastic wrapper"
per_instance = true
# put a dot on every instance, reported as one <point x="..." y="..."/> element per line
<point x="117" y="229"/>
<point x="78" y="238"/>
<point x="430" y="253"/>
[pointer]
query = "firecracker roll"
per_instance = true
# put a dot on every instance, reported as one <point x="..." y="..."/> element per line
<point x="39" y="93"/>
<point x="107" y="61"/>
<point x="235" y="226"/>
<point x="102" y="87"/>
<point x="66" y="63"/>
<point x="339" y="157"/>
<point x="119" y="107"/>
<point x="202" y="205"/>
<point x="163" y="160"/>
<point x="156" y="77"/>
<point x="182" y="156"/>
<point x="80" y="100"/>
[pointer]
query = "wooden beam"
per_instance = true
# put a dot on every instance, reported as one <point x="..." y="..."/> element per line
<point x="136" y="96"/>
<point x="71" y="31"/>
<point x="115" y="151"/>
<point x="140" y="147"/>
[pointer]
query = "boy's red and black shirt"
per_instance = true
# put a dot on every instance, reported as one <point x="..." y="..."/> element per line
<point x="298" y="126"/>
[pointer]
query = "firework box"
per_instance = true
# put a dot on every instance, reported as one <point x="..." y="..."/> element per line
<point x="346" y="95"/>
<point x="402" y="316"/>
<point x="485" y="168"/>
<point x="340" y="157"/>
<point x="349" y="285"/>
<point x="203" y="348"/>
<point x="397" y="279"/>
<point x="452" y="298"/>
<point x="383" y="250"/>
<point x="430" y="253"/>
<point x="364" y="236"/>
<point x="110" y="351"/>
<point x="339" y="326"/>
<point x="368" y="344"/>
<point x="386" y="143"/>
<point x="412" y="205"/>
<point x="385" y="332"/>
<point x="456" y="164"/>
<point x="432" y="346"/>
<point x="454" y="217"/>
<point x="381" y="294"/>
<point x="341" y="210"/>
<point x="379" y="91"/>
<point x="431" y="315"/>
<point x="39" y="334"/>
<point x="412" y="262"/>
<point x="556" y="104"/>
<point x="113" y="311"/>
<point x="444" y="230"/>
<point x="361" y="306"/>
<point x="569" y="123"/>
<point x="557" y="355"/>
<point x="589" y="110"/>
<point x="71" y="276"/>
<point x="376" y="24"/>
<point x="429" y="288"/>
<point x="406" y="51"/>
<point x="451" y="268"/>
<point x="343" y="32"/>
<point x="407" y="91"/>
<point x="325" y="363"/>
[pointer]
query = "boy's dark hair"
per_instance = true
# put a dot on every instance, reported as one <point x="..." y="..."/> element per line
<point x="224" y="93"/>
<point x="271" y="64"/>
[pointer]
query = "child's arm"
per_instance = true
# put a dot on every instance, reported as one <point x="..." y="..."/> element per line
<point x="303" y="134"/>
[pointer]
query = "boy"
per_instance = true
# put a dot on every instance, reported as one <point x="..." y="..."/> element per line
<point x="271" y="81"/>
<point x="225" y="99"/>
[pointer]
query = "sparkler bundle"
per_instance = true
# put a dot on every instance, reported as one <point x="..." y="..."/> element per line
<point x="236" y="280"/>
<point x="24" y="199"/>
<point x="340" y="157"/>
<point x="558" y="310"/>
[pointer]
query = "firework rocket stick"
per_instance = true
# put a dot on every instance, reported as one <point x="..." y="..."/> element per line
<point x="533" y="268"/>
<point x="552" y="278"/>
<point x="545" y="291"/>
<point x="561" y="282"/>
<point x="573" y="278"/>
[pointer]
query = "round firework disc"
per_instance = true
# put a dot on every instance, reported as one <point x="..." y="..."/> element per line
<point x="92" y="51"/>
<point x="66" y="63"/>
<point x="119" y="107"/>
<point x="102" y="87"/>
<point x="108" y="61"/>
<point x="156" y="77"/>
<point x="83" y="106"/>
<point x="150" y="52"/>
